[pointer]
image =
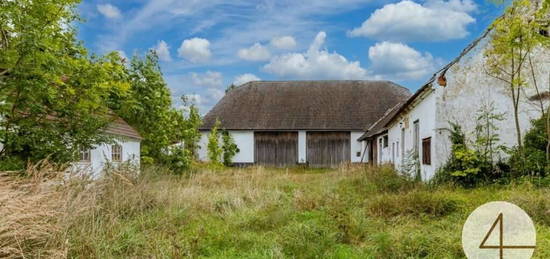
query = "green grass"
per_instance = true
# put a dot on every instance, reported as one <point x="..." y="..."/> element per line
<point x="293" y="213"/>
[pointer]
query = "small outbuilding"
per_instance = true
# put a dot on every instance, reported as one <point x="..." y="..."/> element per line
<point x="286" y="123"/>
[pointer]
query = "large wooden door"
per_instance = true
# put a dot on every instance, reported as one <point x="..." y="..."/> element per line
<point x="328" y="149"/>
<point x="276" y="148"/>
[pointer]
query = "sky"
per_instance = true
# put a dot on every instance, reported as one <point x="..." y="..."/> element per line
<point x="206" y="45"/>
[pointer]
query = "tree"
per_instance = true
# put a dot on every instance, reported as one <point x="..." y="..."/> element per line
<point x="230" y="149"/>
<point x="192" y="134"/>
<point x="147" y="106"/>
<point x="514" y="37"/>
<point x="214" y="150"/>
<point x="53" y="94"/>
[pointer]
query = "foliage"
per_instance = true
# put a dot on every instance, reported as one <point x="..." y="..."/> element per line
<point x="54" y="94"/>
<point x="535" y="141"/>
<point x="147" y="106"/>
<point x="214" y="149"/>
<point x="192" y="134"/>
<point x="486" y="137"/>
<point x="230" y="149"/>
<point x="464" y="165"/>
<point x="513" y="38"/>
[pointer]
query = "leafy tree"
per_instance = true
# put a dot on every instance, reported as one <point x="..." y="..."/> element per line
<point x="230" y="149"/>
<point x="514" y="37"/>
<point x="147" y="106"/>
<point x="487" y="137"/>
<point x="192" y="134"/>
<point x="214" y="149"/>
<point x="53" y="94"/>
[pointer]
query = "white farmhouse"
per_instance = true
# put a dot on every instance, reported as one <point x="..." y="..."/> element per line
<point x="125" y="148"/>
<point x="420" y="126"/>
<point x="301" y="122"/>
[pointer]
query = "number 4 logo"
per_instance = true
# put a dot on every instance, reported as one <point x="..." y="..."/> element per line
<point x="500" y="222"/>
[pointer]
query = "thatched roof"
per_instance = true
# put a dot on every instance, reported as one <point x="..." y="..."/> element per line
<point x="120" y="127"/>
<point x="305" y="105"/>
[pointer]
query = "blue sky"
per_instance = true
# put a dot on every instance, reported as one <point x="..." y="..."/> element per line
<point x="206" y="45"/>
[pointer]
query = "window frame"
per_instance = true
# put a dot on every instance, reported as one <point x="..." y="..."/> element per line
<point x="427" y="151"/>
<point x="85" y="158"/>
<point x="116" y="153"/>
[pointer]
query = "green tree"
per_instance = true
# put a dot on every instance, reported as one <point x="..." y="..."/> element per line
<point x="52" y="93"/>
<point x="147" y="106"/>
<point x="514" y="36"/>
<point x="214" y="149"/>
<point x="192" y="134"/>
<point x="230" y="149"/>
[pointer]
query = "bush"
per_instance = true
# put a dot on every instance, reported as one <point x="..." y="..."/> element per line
<point x="534" y="161"/>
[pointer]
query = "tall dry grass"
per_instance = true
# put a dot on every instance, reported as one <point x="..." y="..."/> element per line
<point x="37" y="209"/>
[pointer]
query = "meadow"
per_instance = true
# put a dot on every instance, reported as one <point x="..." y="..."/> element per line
<point x="350" y="212"/>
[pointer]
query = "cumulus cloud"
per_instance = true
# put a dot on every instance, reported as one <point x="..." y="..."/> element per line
<point x="195" y="50"/>
<point x="208" y="79"/>
<point x="316" y="63"/>
<point x="245" y="78"/>
<point x="163" y="51"/>
<point x="398" y="61"/>
<point x="284" y="42"/>
<point x="256" y="52"/>
<point x="109" y="11"/>
<point x="435" y="20"/>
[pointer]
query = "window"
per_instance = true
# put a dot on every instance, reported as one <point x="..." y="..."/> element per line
<point x="85" y="155"/>
<point x="393" y="152"/>
<point x="402" y="145"/>
<point x="416" y="137"/>
<point x="427" y="151"/>
<point x="358" y="154"/>
<point x="386" y="141"/>
<point x="116" y="153"/>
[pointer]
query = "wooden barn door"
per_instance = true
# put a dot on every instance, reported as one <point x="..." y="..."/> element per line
<point x="328" y="149"/>
<point x="276" y="148"/>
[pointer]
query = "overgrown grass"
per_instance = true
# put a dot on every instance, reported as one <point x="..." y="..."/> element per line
<point x="351" y="212"/>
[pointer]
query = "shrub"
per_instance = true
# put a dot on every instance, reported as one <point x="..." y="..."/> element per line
<point x="464" y="165"/>
<point x="534" y="162"/>
<point x="229" y="148"/>
<point x="214" y="150"/>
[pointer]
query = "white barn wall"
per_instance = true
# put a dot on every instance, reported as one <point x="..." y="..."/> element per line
<point x="101" y="154"/>
<point x="468" y="88"/>
<point x="243" y="139"/>
<point x="302" y="147"/>
<point x="356" y="146"/>
<point x="245" y="142"/>
<point x="424" y="112"/>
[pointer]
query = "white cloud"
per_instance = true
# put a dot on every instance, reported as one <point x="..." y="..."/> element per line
<point x="316" y="63"/>
<point x="163" y="51"/>
<point x="194" y="98"/>
<point x="256" y="52"/>
<point x="208" y="79"/>
<point x="245" y="78"/>
<point x="195" y="50"/>
<point x="435" y="20"/>
<point x="109" y="11"/>
<point x="397" y="61"/>
<point x="284" y="42"/>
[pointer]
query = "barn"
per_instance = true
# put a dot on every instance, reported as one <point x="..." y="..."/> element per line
<point x="285" y="123"/>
